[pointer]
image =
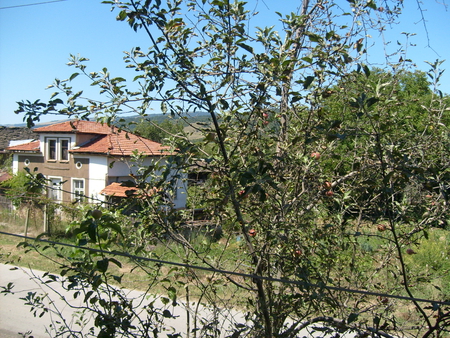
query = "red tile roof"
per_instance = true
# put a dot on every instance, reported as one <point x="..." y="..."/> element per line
<point x="29" y="147"/>
<point x="4" y="176"/>
<point x="109" y="140"/>
<point x="117" y="190"/>
<point x="122" y="144"/>
<point x="77" y="126"/>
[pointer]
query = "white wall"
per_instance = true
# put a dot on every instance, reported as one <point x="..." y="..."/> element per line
<point x="98" y="171"/>
<point x="15" y="166"/>
<point x="124" y="169"/>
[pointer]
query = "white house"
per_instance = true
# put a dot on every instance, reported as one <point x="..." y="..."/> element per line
<point x="84" y="158"/>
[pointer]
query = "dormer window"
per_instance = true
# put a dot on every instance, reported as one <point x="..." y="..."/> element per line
<point x="58" y="149"/>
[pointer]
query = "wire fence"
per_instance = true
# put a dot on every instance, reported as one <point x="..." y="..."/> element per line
<point x="233" y="273"/>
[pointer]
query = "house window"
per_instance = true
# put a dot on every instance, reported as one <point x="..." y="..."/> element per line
<point x="64" y="150"/>
<point x="78" y="189"/>
<point x="58" y="149"/>
<point x="52" y="149"/>
<point x="54" y="190"/>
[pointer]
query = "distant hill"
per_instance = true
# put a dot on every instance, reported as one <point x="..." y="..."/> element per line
<point x="24" y="125"/>
<point x="191" y="121"/>
<point x="191" y="117"/>
<point x="158" y="118"/>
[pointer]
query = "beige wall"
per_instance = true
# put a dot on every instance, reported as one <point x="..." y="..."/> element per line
<point x="66" y="170"/>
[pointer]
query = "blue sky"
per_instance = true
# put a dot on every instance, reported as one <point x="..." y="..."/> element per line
<point x="36" y="41"/>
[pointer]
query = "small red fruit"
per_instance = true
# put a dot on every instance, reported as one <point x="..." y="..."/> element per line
<point x="410" y="251"/>
<point x="242" y="194"/>
<point x="327" y="185"/>
<point x="315" y="155"/>
<point x="265" y="115"/>
<point x="252" y="232"/>
<point x="96" y="214"/>
<point x="329" y="193"/>
<point x="381" y="227"/>
<point x="298" y="253"/>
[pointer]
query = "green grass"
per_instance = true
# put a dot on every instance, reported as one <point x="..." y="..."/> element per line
<point x="135" y="274"/>
<point x="428" y="268"/>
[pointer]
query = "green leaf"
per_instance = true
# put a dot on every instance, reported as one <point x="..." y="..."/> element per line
<point x="172" y="293"/>
<point x="116" y="262"/>
<point x="314" y="37"/>
<point x="246" y="47"/>
<point x="167" y="314"/>
<point x="73" y="76"/>
<point x="88" y="295"/>
<point x="296" y="98"/>
<point x="308" y="81"/>
<point x="366" y="70"/>
<point x="122" y="16"/>
<point x="224" y="104"/>
<point x="102" y="265"/>
<point x="113" y="225"/>
<point x="372" y="101"/>
<point x="352" y="317"/>
<point x="92" y="231"/>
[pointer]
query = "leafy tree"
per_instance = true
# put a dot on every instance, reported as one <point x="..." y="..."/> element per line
<point x="25" y="187"/>
<point x="302" y="135"/>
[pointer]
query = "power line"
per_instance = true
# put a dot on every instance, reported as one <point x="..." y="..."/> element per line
<point x="234" y="273"/>
<point x="34" y="4"/>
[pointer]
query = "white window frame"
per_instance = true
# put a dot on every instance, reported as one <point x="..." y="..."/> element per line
<point x="47" y="143"/>
<point x="58" y="148"/>
<point x="61" y="149"/>
<point x="55" y="192"/>
<point x="76" y="191"/>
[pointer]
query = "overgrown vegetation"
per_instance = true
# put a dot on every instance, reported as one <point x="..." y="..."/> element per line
<point x="328" y="179"/>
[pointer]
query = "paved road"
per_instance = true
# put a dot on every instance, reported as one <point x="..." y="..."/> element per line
<point x="16" y="318"/>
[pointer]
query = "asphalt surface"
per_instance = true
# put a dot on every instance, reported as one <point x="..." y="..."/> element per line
<point x="17" y="321"/>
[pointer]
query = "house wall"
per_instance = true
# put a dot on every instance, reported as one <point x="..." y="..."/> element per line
<point x="15" y="165"/>
<point x="75" y="168"/>
<point x="83" y="138"/>
<point x="20" y="162"/>
<point x="98" y="174"/>
<point x="96" y="171"/>
<point x="120" y="170"/>
<point x="124" y="168"/>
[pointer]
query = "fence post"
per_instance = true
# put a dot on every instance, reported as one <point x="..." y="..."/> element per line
<point x="46" y="225"/>
<point x="27" y="221"/>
